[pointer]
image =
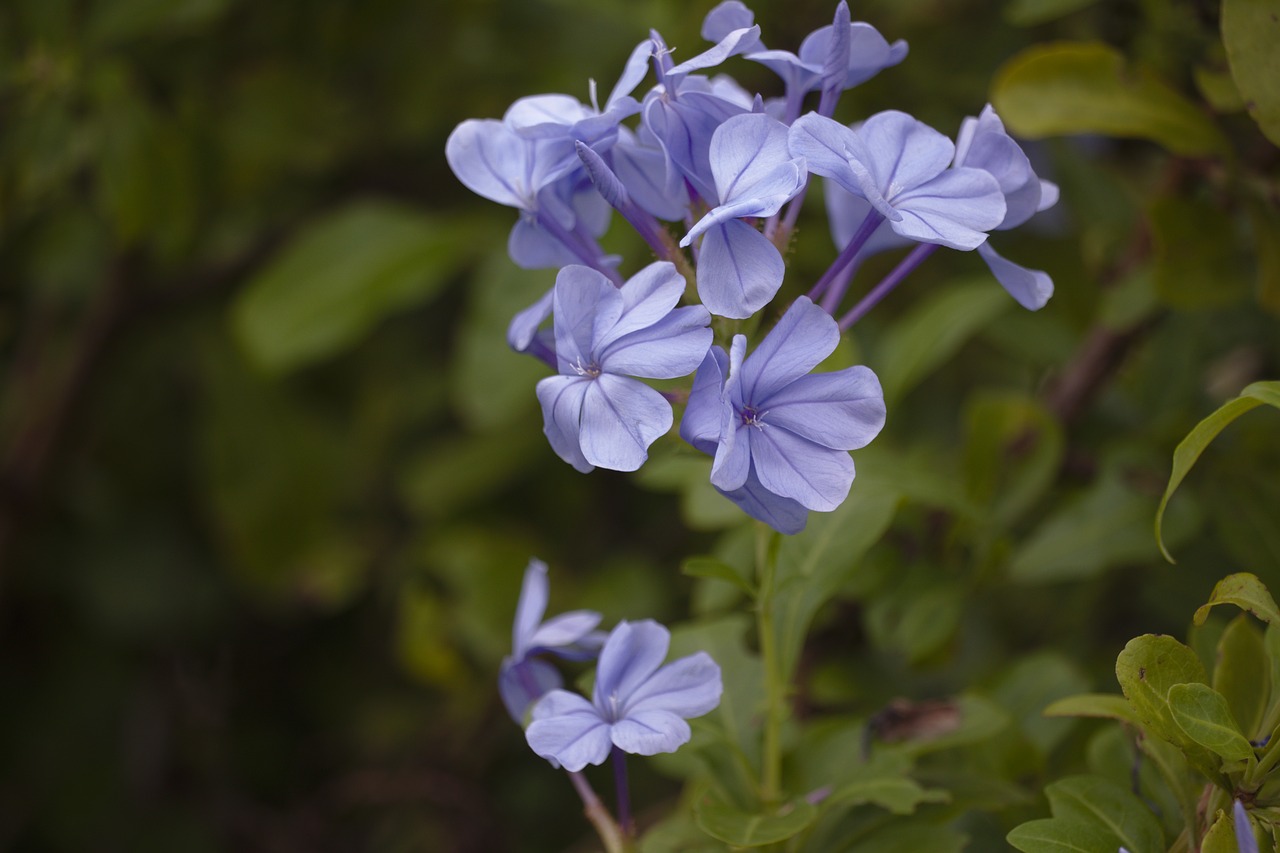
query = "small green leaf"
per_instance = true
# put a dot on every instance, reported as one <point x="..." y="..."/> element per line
<point x="1084" y="87"/>
<point x="899" y="795"/>
<point x="1190" y="448"/>
<point x="710" y="567"/>
<point x="1103" y="802"/>
<point x="1244" y="591"/>
<point x="742" y="829"/>
<point x="1104" y="705"/>
<point x="1062" y="835"/>
<point x="1243" y="674"/>
<point x="1221" y="837"/>
<point x="1202" y="713"/>
<point x="933" y="330"/>
<point x="339" y="277"/>
<point x="1250" y="32"/>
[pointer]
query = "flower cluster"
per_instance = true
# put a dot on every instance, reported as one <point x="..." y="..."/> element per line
<point x="712" y="177"/>
<point x="638" y="705"/>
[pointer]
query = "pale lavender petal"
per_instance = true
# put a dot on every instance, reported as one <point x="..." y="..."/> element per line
<point x="955" y="209"/>
<point x="901" y="152"/>
<point x="633" y="652"/>
<point x="586" y="302"/>
<point x="776" y="188"/>
<point x="796" y="345"/>
<point x="1246" y="841"/>
<point x="732" y="463"/>
<point x="532" y="247"/>
<point x="793" y="467"/>
<point x="745" y="151"/>
<point x="650" y="733"/>
<point x="538" y="112"/>
<point x="738" y="41"/>
<point x="642" y="170"/>
<point x="534" y="590"/>
<point x="782" y="514"/>
<point x="824" y="144"/>
<point x="670" y="348"/>
<point x="797" y="75"/>
<point x="633" y="72"/>
<point x="869" y="52"/>
<point x="684" y="129"/>
<point x="647" y="297"/>
<point x="563" y="630"/>
<point x="984" y="144"/>
<point x="1031" y="288"/>
<point x="700" y="425"/>
<point x="725" y="18"/>
<point x="524" y="326"/>
<point x="689" y="687"/>
<point x="561" y="398"/>
<point x="569" y="730"/>
<point x="842" y="410"/>
<point x="621" y="417"/>
<point x="1048" y="195"/>
<point x="845" y="214"/>
<point x="490" y="159"/>
<point x="524" y="682"/>
<point x="739" y="270"/>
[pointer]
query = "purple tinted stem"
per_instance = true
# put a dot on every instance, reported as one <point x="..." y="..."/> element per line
<point x="860" y="237"/>
<point x="624" y="792"/>
<point x="888" y="283"/>
<point x="589" y="255"/>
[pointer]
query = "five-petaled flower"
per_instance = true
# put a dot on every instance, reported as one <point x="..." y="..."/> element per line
<point x="594" y="413"/>
<point x="637" y="705"/>
<point x="524" y="679"/>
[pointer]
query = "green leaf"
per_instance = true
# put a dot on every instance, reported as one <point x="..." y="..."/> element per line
<point x="899" y="795"/>
<point x="1250" y="32"/>
<point x="1084" y="87"/>
<point x="742" y="829"/>
<point x="1190" y="448"/>
<point x="1028" y="13"/>
<point x="1099" y="529"/>
<point x="339" y="277"/>
<point x="1243" y="674"/>
<point x="1202" y="713"/>
<point x="710" y="567"/>
<point x="1103" y="802"/>
<point x="899" y="837"/>
<point x="1221" y="837"/>
<point x="1147" y="669"/>
<point x="814" y="563"/>
<point x="1199" y="261"/>
<point x="933" y="330"/>
<point x="1104" y="705"/>
<point x="1244" y="591"/>
<point x="1062" y="835"/>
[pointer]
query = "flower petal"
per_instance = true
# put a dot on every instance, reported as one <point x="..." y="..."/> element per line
<point x="690" y="687"/>
<point x="562" y="631"/>
<point x="650" y="733"/>
<point x="524" y="326"/>
<point x="739" y="270"/>
<point x="647" y="297"/>
<point x="586" y="302"/>
<point x="621" y="417"/>
<point x="490" y="158"/>
<point x="633" y="652"/>
<point x="561" y="398"/>
<point x="824" y="144"/>
<point x="842" y="410"/>
<point x="746" y="153"/>
<point x="534" y="590"/>
<point x="1032" y="288"/>
<point x="955" y="209"/>
<point x="521" y="683"/>
<point x="568" y="729"/>
<point x="796" y="345"/>
<point x="672" y="347"/>
<point x="900" y="152"/>
<point x="532" y="247"/>
<point x="700" y="425"/>
<point x="782" y="514"/>
<point x="816" y="477"/>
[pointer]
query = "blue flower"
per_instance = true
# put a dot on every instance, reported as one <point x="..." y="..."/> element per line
<point x="900" y="166"/>
<point x="594" y="413"/>
<point x="984" y="144"/>
<point x="523" y="678"/>
<point x="780" y="435"/>
<point x="739" y="269"/>
<point x="637" y="705"/>
<point x="1246" y="841"/>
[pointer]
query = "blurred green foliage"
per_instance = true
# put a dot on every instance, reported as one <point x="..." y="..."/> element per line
<point x="270" y="475"/>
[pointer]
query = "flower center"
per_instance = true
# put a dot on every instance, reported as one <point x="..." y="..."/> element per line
<point x="591" y="371"/>
<point x="751" y="416"/>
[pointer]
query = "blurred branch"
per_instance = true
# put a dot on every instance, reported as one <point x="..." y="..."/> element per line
<point x="1096" y="360"/>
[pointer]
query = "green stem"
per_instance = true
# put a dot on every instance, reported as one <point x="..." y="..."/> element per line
<point x="775" y="687"/>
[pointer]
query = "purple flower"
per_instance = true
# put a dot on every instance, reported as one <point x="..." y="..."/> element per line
<point x="899" y="165"/>
<point x="637" y="705"/>
<point x="594" y="413"/>
<point x="777" y="430"/>
<point x="984" y="144"/>
<point x="739" y="269"/>
<point x="1246" y="842"/>
<point x="523" y="678"/>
